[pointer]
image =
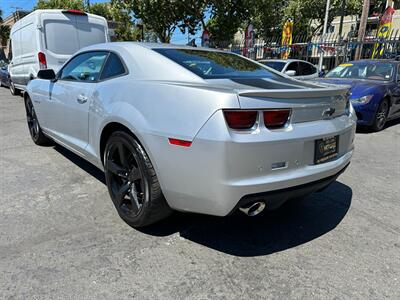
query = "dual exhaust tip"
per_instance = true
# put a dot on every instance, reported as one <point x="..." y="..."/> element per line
<point x="253" y="209"/>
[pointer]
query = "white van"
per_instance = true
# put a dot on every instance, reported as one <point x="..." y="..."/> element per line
<point x="45" y="39"/>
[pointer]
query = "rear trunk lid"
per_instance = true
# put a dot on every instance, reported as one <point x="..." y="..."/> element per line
<point x="308" y="101"/>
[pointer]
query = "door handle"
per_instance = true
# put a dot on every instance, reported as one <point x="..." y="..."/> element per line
<point x="82" y="99"/>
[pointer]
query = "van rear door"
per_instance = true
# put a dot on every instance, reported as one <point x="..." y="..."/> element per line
<point x="65" y="32"/>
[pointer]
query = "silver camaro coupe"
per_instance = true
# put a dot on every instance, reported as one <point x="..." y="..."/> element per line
<point x="192" y="129"/>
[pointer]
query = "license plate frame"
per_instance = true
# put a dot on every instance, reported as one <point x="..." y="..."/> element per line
<point x="326" y="149"/>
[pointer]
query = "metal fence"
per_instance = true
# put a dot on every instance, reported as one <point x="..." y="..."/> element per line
<point x="333" y="48"/>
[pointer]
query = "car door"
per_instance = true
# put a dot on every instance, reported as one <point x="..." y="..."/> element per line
<point x="69" y="99"/>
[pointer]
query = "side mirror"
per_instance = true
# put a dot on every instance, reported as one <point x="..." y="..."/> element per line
<point x="290" y="73"/>
<point x="47" y="74"/>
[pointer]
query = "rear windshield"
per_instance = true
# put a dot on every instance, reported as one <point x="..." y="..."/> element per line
<point x="213" y="65"/>
<point x="277" y="65"/>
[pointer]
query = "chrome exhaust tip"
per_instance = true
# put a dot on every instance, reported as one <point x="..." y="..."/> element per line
<point x="253" y="209"/>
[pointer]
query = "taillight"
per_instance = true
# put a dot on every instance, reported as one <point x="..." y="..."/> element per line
<point x="42" y="61"/>
<point x="240" y="119"/>
<point x="74" y="12"/>
<point x="276" y="118"/>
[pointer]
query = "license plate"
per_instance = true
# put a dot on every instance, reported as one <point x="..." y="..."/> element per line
<point x="326" y="149"/>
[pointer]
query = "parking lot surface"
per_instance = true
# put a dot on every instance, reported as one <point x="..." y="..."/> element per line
<point x="62" y="238"/>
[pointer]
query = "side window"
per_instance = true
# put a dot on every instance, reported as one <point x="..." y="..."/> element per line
<point x="85" y="67"/>
<point x="306" y="69"/>
<point x="292" y="67"/>
<point x="113" y="67"/>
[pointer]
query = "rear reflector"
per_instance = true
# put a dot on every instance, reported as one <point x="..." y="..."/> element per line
<point x="276" y="118"/>
<point x="180" y="142"/>
<point x="42" y="61"/>
<point x="74" y="12"/>
<point x="240" y="119"/>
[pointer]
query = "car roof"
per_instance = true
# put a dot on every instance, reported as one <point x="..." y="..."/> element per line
<point x="150" y="46"/>
<point x="283" y="60"/>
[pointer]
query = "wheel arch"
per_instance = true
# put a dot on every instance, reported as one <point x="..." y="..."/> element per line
<point x="108" y="130"/>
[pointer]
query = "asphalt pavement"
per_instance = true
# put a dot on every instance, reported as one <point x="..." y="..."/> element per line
<point x="61" y="238"/>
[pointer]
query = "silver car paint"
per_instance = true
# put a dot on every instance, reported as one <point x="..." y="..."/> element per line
<point x="159" y="99"/>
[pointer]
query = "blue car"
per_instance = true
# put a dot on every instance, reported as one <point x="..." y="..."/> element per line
<point x="375" y="89"/>
<point x="4" y="76"/>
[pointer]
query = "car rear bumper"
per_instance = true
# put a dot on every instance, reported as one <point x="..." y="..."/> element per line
<point x="221" y="167"/>
<point x="274" y="199"/>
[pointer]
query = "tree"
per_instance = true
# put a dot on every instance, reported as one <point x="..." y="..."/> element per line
<point x="304" y="12"/>
<point x="161" y="16"/>
<point x="60" y="4"/>
<point x="226" y="18"/>
<point x="4" y="31"/>
<point x="121" y="14"/>
<point x="102" y="9"/>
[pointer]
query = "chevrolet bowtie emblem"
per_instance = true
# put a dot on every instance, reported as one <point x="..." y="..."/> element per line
<point x="328" y="112"/>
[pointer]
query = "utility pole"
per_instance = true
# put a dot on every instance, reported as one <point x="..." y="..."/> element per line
<point x="321" y="57"/>
<point x="361" y="30"/>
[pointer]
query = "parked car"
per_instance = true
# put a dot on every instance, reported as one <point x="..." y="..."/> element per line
<point x="192" y="129"/>
<point x="47" y="38"/>
<point x="375" y="89"/>
<point x="4" y="76"/>
<point x="296" y="68"/>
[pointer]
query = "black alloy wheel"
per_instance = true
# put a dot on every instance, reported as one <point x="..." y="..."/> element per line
<point x="33" y="124"/>
<point x="132" y="183"/>
<point x="381" y="116"/>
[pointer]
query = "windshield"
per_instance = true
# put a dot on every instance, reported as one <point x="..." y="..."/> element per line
<point x="378" y="71"/>
<point x="277" y="65"/>
<point x="212" y="65"/>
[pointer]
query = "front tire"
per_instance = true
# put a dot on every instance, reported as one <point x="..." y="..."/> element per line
<point x="381" y="116"/>
<point x="35" y="131"/>
<point x="14" y="91"/>
<point x="132" y="182"/>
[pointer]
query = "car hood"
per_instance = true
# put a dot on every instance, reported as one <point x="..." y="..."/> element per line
<point x="357" y="86"/>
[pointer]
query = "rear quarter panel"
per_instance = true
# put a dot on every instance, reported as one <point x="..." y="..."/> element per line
<point x="153" y="108"/>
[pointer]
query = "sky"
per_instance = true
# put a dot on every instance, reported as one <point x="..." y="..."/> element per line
<point x="9" y="6"/>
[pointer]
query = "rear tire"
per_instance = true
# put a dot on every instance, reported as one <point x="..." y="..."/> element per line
<point x="381" y="116"/>
<point x="35" y="131"/>
<point x="132" y="182"/>
<point x="14" y="91"/>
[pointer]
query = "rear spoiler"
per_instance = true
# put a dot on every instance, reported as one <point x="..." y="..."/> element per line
<point x="296" y="93"/>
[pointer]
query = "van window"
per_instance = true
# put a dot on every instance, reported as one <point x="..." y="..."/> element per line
<point x="16" y="43"/>
<point x="90" y="34"/>
<point x="28" y="39"/>
<point x="60" y="37"/>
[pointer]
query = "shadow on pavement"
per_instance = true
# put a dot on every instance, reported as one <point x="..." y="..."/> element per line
<point x="80" y="162"/>
<point x="294" y="224"/>
<point x="363" y="129"/>
<point x="273" y="231"/>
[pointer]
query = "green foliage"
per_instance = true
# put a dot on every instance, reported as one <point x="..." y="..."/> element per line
<point x="164" y="16"/>
<point x="102" y="9"/>
<point x="304" y="11"/>
<point x="60" y="4"/>
<point x="4" y="34"/>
